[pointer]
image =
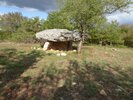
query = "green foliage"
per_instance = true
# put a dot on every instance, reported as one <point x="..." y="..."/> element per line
<point x="15" y="27"/>
<point x="88" y="15"/>
<point x="128" y="34"/>
<point x="107" y="33"/>
<point x="32" y="25"/>
<point x="84" y="13"/>
<point x="10" y="22"/>
<point x="21" y="37"/>
<point x="55" y="20"/>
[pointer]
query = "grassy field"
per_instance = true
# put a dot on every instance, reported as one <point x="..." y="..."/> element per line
<point x="98" y="73"/>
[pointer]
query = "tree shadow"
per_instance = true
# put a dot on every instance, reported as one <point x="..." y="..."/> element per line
<point x="13" y="63"/>
<point x="91" y="81"/>
<point x="77" y="81"/>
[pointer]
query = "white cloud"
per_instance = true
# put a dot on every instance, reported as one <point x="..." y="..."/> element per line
<point x="1" y="13"/>
<point x="3" y="3"/>
<point x="29" y="9"/>
<point x="122" y="17"/>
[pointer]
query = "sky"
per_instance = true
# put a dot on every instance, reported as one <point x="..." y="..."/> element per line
<point x="41" y="8"/>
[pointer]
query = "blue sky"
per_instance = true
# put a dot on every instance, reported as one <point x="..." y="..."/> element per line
<point x="33" y="8"/>
<point x="29" y="12"/>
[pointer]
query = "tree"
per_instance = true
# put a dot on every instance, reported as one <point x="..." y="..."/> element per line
<point x="127" y="30"/>
<point x="15" y="27"/>
<point x="84" y="13"/>
<point x="107" y="33"/>
<point x="32" y="25"/>
<point x="10" y="22"/>
<point x="26" y="33"/>
<point x="55" y="20"/>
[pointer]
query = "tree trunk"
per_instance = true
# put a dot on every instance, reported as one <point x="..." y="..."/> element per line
<point x="80" y="46"/>
<point x="82" y="38"/>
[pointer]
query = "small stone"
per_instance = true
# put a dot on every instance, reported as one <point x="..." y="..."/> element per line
<point x="73" y="83"/>
<point x="38" y="48"/>
<point x="114" y="49"/>
<point x="74" y="50"/>
<point x="34" y="48"/>
<point x="61" y="83"/>
<point x="118" y="90"/>
<point x="63" y="54"/>
<point x="58" y="54"/>
<point x="123" y="68"/>
<point x="102" y="92"/>
<point x="52" y="50"/>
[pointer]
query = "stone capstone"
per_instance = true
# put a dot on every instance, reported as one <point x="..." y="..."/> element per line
<point x="58" y="35"/>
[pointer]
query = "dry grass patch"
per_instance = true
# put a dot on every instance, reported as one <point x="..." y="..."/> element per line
<point x="103" y="73"/>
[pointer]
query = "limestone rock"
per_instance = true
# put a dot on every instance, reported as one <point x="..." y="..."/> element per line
<point x="58" y="35"/>
<point x="58" y="54"/>
<point x="46" y="45"/>
<point x="102" y="92"/>
<point x="63" y="54"/>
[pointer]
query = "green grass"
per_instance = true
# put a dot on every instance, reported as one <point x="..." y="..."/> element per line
<point x="98" y="73"/>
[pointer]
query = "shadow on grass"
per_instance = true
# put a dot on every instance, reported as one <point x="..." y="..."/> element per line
<point x="77" y="81"/>
<point x="13" y="63"/>
<point x="89" y="81"/>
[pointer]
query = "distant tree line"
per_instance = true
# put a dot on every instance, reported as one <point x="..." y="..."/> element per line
<point x="15" y="27"/>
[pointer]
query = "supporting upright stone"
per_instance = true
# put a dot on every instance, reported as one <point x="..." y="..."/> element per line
<point x="46" y="46"/>
<point x="69" y="45"/>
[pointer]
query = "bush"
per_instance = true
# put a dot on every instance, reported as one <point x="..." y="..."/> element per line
<point x="22" y="37"/>
<point x="129" y="41"/>
<point x="128" y="35"/>
<point x="107" y="34"/>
